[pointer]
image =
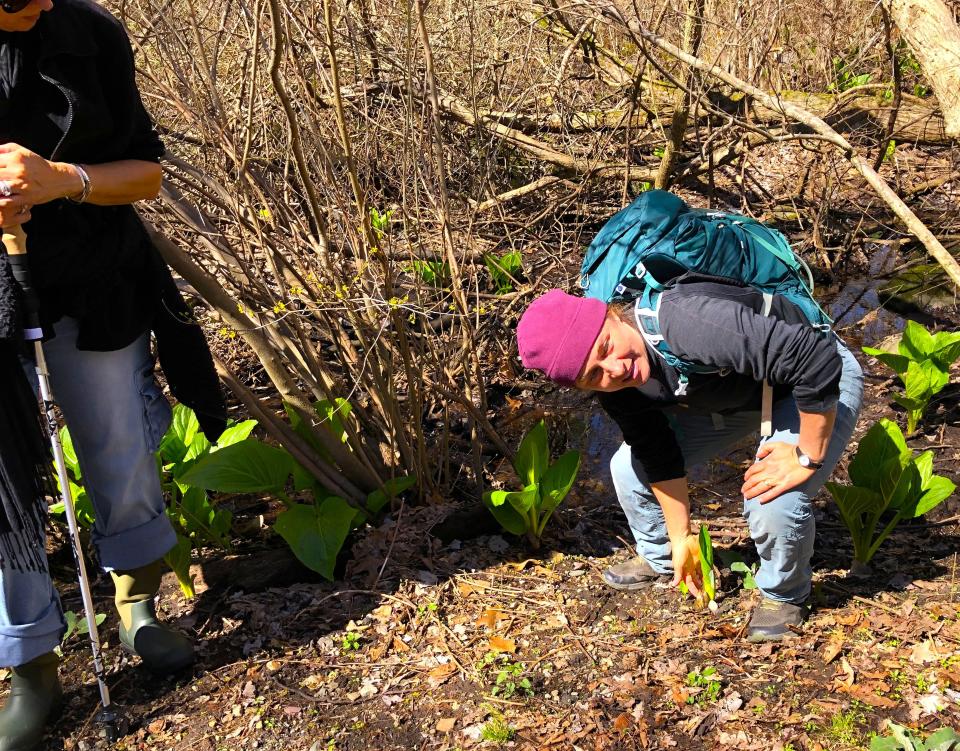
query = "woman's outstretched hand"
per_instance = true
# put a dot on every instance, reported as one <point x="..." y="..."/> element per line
<point x="774" y="473"/>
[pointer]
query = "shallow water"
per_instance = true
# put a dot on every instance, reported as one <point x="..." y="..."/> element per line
<point x="899" y="285"/>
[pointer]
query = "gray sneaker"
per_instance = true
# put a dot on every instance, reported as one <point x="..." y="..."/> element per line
<point x="633" y="574"/>
<point x="772" y="619"/>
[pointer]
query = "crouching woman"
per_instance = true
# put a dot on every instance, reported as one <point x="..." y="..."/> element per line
<point x="671" y="423"/>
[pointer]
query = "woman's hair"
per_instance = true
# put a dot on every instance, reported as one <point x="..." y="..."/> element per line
<point x="623" y="309"/>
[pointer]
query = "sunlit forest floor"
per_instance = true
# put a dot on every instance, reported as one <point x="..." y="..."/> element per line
<point x="442" y="633"/>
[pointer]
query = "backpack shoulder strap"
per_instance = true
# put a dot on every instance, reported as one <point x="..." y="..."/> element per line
<point x="646" y="313"/>
<point x="766" y="395"/>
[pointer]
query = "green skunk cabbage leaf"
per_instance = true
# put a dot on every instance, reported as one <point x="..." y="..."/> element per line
<point x="897" y="363"/>
<point x="246" y="467"/>
<point x="235" y="433"/>
<point x="316" y="532"/>
<point x="70" y="454"/>
<point x="505" y="514"/>
<point x="916" y="342"/>
<point x="533" y="456"/>
<point x="391" y="489"/>
<point x="178" y="559"/>
<point x="557" y="480"/>
<point x="180" y="435"/>
<point x="882" y="442"/>
<point x="706" y="562"/>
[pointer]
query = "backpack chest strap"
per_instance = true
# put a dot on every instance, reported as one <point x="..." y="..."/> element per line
<point x="646" y="313"/>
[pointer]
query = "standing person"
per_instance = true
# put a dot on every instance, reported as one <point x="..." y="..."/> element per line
<point x="818" y="388"/>
<point x="77" y="148"/>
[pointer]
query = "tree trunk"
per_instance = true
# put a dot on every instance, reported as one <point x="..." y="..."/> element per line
<point x="934" y="38"/>
<point x="692" y="31"/>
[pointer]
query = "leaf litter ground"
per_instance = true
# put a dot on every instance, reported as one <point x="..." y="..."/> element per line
<point x="410" y="654"/>
<point x="440" y="633"/>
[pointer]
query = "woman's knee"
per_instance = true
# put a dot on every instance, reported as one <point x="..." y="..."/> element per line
<point x="788" y="517"/>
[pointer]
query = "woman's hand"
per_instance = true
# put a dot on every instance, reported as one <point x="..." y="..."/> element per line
<point x="686" y="564"/>
<point x="774" y="473"/>
<point x="31" y="179"/>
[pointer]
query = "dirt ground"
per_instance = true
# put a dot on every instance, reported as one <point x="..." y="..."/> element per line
<point x="441" y="633"/>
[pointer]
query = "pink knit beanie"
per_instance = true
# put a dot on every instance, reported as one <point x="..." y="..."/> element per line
<point x="556" y="333"/>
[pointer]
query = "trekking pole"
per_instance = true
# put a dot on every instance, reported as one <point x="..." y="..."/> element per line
<point x="15" y="242"/>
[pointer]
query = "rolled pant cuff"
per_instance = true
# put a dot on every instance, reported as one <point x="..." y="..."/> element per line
<point x="136" y="547"/>
<point x="780" y="598"/>
<point x="22" y="643"/>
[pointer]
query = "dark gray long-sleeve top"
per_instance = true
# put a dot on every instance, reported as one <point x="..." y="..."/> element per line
<point x="723" y="326"/>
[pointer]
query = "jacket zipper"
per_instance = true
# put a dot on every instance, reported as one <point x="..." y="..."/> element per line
<point x="66" y="130"/>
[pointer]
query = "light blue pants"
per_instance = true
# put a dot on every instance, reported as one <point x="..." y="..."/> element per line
<point x="783" y="529"/>
<point x="117" y="416"/>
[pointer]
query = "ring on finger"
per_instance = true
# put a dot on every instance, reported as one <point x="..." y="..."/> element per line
<point x="6" y="189"/>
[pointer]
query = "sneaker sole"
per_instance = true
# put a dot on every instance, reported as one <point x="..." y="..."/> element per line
<point x="633" y="587"/>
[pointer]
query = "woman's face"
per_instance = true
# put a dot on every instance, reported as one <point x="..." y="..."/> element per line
<point x="25" y="18"/>
<point x="617" y="360"/>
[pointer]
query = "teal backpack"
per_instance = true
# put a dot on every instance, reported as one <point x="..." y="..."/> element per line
<point x="646" y="246"/>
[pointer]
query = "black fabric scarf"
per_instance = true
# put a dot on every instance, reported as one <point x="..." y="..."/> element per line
<point x="24" y="456"/>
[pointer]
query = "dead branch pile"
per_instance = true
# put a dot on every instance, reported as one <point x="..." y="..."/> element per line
<point x="341" y="176"/>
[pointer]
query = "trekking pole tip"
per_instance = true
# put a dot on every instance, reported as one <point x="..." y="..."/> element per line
<point x="112" y="723"/>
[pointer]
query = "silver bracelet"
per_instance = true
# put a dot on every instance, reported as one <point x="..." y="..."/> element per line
<point x="85" y="193"/>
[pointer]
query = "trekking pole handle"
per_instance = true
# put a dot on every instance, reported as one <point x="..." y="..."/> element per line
<point x="15" y="242"/>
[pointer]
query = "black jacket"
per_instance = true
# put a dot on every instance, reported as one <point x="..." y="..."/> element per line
<point x="69" y="93"/>
<point x="721" y="325"/>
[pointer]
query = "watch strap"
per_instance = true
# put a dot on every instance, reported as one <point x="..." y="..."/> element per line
<point x="806" y="461"/>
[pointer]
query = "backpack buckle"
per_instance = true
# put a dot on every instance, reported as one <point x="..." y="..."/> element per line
<point x="584" y="281"/>
<point x="648" y="324"/>
<point x="640" y="270"/>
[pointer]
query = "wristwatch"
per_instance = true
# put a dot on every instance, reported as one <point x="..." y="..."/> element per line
<point x="806" y="461"/>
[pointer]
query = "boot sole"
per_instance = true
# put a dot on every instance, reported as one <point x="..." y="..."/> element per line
<point x="166" y="670"/>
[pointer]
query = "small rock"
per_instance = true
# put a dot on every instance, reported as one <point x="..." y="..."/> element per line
<point x="427" y="577"/>
<point x="497" y="544"/>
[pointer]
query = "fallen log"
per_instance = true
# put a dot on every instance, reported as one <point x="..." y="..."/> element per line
<point x="918" y="121"/>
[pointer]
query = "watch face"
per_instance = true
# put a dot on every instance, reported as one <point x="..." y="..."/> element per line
<point x="804" y="460"/>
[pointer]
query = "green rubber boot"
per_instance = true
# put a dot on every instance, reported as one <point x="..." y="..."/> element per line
<point x="34" y="694"/>
<point x="162" y="649"/>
